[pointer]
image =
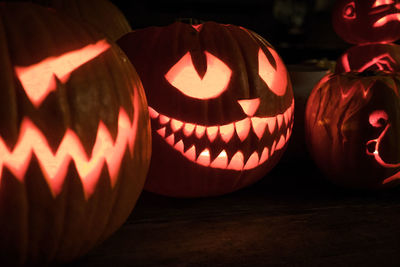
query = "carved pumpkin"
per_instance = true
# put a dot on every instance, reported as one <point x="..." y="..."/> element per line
<point x="367" y="21"/>
<point x="221" y="106"/>
<point x="102" y="14"/>
<point x="353" y="129"/>
<point x="370" y="57"/>
<point x="74" y="136"/>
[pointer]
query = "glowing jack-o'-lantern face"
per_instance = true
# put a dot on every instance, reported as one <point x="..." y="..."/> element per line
<point x="221" y="111"/>
<point x="352" y="128"/>
<point x="367" y="21"/>
<point x="70" y="113"/>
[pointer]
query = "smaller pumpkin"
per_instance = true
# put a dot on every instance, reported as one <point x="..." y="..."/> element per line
<point x="353" y="128"/>
<point x="367" y="21"/>
<point x="370" y="57"/>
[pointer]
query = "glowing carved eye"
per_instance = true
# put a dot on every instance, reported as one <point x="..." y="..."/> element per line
<point x="184" y="77"/>
<point x="349" y="11"/>
<point x="38" y="80"/>
<point x="383" y="2"/>
<point x="378" y="118"/>
<point x="275" y="78"/>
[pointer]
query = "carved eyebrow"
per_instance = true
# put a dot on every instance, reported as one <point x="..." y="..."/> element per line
<point x="38" y="79"/>
<point x="382" y="2"/>
<point x="184" y="77"/>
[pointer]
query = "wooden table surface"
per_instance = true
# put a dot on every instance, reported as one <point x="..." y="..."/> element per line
<point x="290" y="218"/>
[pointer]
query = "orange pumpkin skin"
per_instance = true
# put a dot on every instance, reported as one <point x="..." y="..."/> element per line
<point x="101" y="14"/>
<point x="208" y="90"/>
<point x="72" y="164"/>
<point x="352" y="129"/>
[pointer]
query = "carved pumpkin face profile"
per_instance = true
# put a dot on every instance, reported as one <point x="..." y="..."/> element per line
<point x="352" y="129"/>
<point x="367" y="21"/>
<point x="370" y="57"/>
<point x="71" y="107"/>
<point x="221" y="105"/>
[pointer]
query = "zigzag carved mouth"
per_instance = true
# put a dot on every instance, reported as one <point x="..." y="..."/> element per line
<point x="204" y="145"/>
<point x="54" y="165"/>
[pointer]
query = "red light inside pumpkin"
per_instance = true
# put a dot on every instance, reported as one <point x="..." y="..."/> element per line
<point x="186" y="79"/>
<point x="38" y="80"/>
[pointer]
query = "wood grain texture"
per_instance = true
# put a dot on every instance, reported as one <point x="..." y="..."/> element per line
<point x="296" y="219"/>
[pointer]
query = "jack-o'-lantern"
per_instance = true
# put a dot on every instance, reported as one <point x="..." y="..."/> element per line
<point x="367" y="21"/>
<point x="220" y="102"/>
<point x="74" y="136"/>
<point x="370" y="57"/>
<point x="353" y="128"/>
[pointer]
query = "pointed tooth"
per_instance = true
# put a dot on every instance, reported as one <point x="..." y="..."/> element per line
<point x="164" y="119"/>
<point x="279" y="119"/>
<point x="188" y="129"/>
<point x="272" y="148"/>
<point x="281" y="142"/>
<point x="287" y="134"/>
<point x="252" y="162"/>
<point x="153" y="114"/>
<point x="176" y="125"/>
<point x="243" y="128"/>
<point x="271" y="122"/>
<point x="264" y="155"/>
<point x="179" y="146"/>
<point x="221" y="161"/>
<point x="191" y="153"/>
<point x="170" y="139"/>
<point x="161" y="132"/>
<point x="200" y="130"/>
<point x="212" y="132"/>
<point x="226" y="132"/>
<point x="286" y="116"/>
<point x="236" y="162"/>
<point x="259" y="125"/>
<point x="204" y="158"/>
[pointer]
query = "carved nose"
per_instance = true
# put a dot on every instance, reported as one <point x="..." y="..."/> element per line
<point x="249" y="106"/>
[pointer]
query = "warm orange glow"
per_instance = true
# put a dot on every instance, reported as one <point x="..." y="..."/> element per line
<point x="185" y="78"/>
<point x="204" y="158"/>
<point x="378" y="3"/>
<point x="275" y="78"/>
<point x="249" y="106"/>
<point x="54" y="165"/>
<point x="243" y="128"/>
<point x="226" y="133"/>
<point x="221" y="161"/>
<point x="212" y="133"/>
<point x="386" y="19"/>
<point x="39" y="80"/>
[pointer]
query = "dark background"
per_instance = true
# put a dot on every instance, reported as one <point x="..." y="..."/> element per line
<point x="299" y="29"/>
<point x="292" y="217"/>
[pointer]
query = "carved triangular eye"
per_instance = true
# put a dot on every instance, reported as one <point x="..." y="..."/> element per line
<point x="38" y="80"/>
<point x="184" y="77"/>
<point x="275" y="78"/>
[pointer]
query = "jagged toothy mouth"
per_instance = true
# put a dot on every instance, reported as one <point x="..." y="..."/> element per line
<point x="202" y="144"/>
